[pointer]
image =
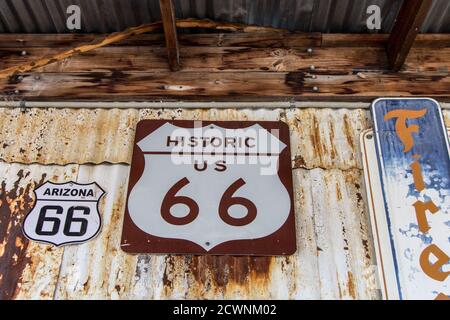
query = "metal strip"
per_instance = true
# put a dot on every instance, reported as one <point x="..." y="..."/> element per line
<point x="190" y="105"/>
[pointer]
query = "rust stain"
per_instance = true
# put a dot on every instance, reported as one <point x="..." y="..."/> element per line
<point x="315" y="137"/>
<point x="333" y="153"/>
<point x="299" y="162"/>
<point x="86" y="285"/>
<point x="348" y="132"/>
<point x="351" y="285"/>
<point x="339" y="287"/>
<point x="446" y="117"/>
<point x="167" y="277"/>
<point x="14" y="205"/>
<point x="365" y="244"/>
<point x="84" y="135"/>
<point x="338" y="192"/>
<point x="230" y="269"/>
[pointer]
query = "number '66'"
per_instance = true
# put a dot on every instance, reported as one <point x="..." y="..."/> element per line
<point x="226" y="202"/>
<point x="56" y="222"/>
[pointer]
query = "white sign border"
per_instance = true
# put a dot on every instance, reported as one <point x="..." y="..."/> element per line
<point x="378" y="221"/>
<point x="70" y="242"/>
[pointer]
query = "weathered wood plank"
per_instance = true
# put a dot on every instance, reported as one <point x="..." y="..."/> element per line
<point x="254" y="40"/>
<point x="354" y="40"/>
<point x="409" y="21"/>
<point x="130" y="32"/>
<point x="142" y="59"/>
<point x="227" y="73"/>
<point x="60" y="56"/>
<point x="430" y="40"/>
<point x="114" y="86"/>
<point x="208" y="59"/>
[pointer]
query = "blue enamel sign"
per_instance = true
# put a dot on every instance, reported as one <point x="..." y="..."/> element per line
<point x="413" y="157"/>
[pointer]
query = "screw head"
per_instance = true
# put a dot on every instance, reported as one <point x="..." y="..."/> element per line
<point x="314" y="76"/>
<point x="312" y="68"/>
<point x="23" y="53"/>
<point x="20" y="78"/>
<point x="310" y="50"/>
<point x="315" y="89"/>
<point x="16" y="91"/>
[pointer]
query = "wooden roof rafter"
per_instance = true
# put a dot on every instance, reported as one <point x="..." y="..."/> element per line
<point x="170" y="32"/>
<point x="407" y="26"/>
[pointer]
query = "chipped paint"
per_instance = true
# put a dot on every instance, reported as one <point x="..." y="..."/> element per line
<point x="27" y="270"/>
<point x="61" y="136"/>
<point x="66" y="136"/>
<point x="334" y="259"/>
<point x="415" y="183"/>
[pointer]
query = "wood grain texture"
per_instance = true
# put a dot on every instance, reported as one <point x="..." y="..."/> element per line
<point x="409" y="21"/>
<point x="212" y="59"/>
<point x="231" y="39"/>
<point x="232" y="67"/>
<point x="127" y="33"/>
<point x="208" y="59"/>
<point x="232" y="86"/>
<point x="170" y="32"/>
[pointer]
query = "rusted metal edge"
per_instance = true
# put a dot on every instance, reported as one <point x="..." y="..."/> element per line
<point x="191" y="105"/>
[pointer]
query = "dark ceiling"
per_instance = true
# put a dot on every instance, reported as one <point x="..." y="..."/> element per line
<point x="49" y="16"/>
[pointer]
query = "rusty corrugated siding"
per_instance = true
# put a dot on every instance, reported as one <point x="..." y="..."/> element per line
<point x="335" y="256"/>
<point x="447" y="117"/>
<point x="61" y="136"/>
<point x="28" y="270"/>
<point x="55" y="136"/>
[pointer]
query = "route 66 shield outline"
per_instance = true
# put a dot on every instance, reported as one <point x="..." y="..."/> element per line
<point x="59" y="205"/>
<point x="135" y="240"/>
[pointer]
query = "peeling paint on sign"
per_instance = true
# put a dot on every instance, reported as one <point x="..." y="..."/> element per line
<point x="414" y="159"/>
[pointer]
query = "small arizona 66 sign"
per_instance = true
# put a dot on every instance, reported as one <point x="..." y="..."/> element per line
<point x="64" y="213"/>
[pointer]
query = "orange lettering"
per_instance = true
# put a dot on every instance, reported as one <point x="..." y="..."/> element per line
<point x="442" y="296"/>
<point x="433" y="270"/>
<point x="421" y="209"/>
<point x="417" y="175"/>
<point x="404" y="132"/>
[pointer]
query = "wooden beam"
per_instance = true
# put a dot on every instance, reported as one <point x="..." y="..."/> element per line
<point x="267" y="39"/>
<point x="224" y="86"/>
<point x="226" y="67"/>
<point x="170" y="32"/>
<point x="409" y="21"/>
<point x="231" y="53"/>
<point x="133" y="31"/>
<point x="230" y="39"/>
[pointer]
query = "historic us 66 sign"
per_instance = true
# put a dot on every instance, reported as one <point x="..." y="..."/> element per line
<point x="210" y="188"/>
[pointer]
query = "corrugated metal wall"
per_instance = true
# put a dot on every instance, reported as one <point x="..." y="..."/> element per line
<point x="335" y="257"/>
<point x="49" y="16"/>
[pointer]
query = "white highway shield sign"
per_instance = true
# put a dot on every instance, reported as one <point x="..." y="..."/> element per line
<point x="210" y="187"/>
<point x="64" y="213"/>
